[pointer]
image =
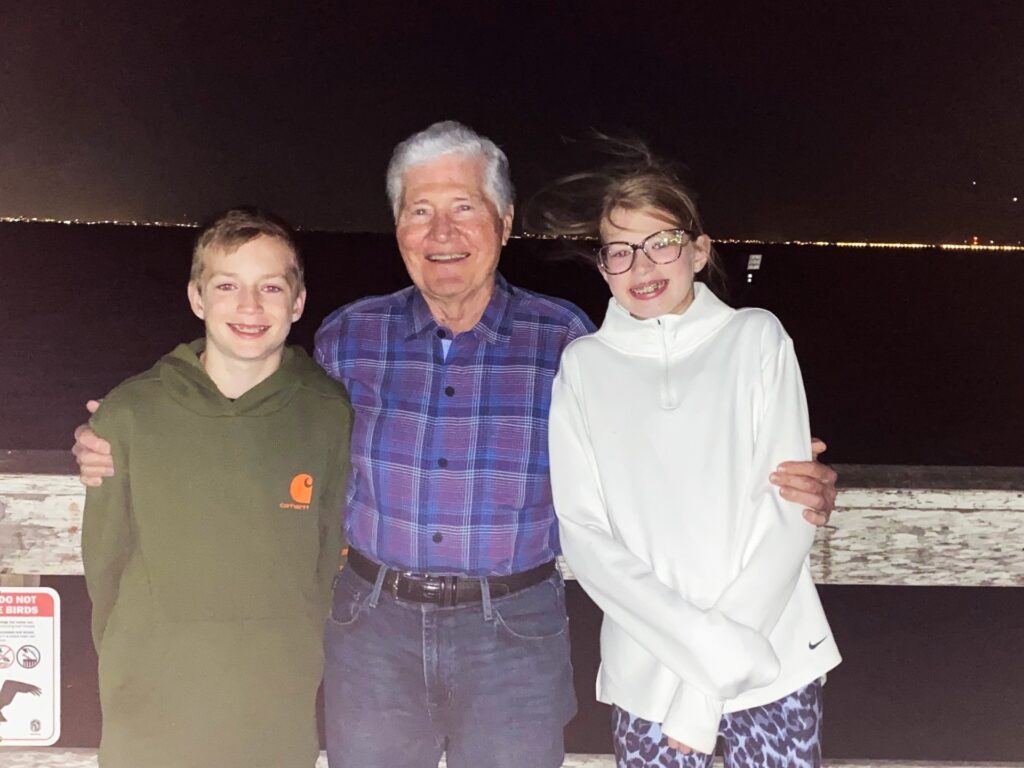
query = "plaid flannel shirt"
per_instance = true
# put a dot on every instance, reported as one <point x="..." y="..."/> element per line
<point x="450" y="454"/>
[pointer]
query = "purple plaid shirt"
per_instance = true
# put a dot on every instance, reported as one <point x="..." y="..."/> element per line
<point x="450" y="455"/>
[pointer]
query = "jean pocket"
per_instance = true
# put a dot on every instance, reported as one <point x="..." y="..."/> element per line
<point x="537" y="613"/>
<point x="348" y="598"/>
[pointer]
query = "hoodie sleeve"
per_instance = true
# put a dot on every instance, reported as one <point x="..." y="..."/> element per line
<point x="680" y="635"/>
<point x="332" y="510"/>
<point x="107" y="530"/>
<point x="777" y="540"/>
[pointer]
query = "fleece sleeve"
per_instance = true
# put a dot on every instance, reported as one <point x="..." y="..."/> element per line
<point x="626" y="588"/>
<point x="107" y="529"/>
<point x="777" y="539"/>
<point x="332" y="511"/>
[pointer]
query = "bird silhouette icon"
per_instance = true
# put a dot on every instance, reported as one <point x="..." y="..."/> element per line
<point x="12" y="688"/>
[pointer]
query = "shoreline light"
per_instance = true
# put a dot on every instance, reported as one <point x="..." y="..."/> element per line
<point x="973" y="246"/>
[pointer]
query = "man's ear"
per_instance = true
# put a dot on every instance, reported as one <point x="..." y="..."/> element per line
<point x="506" y="224"/>
<point x="298" y="305"/>
<point x="195" y="300"/>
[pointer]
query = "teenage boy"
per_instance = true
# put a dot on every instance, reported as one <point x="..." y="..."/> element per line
<point x="209" y="558"/>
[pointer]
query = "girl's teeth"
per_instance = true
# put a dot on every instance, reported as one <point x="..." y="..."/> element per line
<point x="649" y="288"/>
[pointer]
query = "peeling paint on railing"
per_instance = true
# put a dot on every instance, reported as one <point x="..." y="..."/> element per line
<point x="878" y="536"/>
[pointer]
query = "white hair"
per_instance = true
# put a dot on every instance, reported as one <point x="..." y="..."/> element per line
<point x="447" y="138"/>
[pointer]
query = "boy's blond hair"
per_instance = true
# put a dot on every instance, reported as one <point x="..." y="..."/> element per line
<point x="234" y="228"/>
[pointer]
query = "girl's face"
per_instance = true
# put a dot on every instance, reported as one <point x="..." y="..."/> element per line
<point x="647" y="289"/>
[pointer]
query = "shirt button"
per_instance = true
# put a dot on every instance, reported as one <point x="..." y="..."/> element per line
<point x="440" y="333"/>
<point x="437" y="538"/>
<point x="449" y="391"/>
<point x="442" y="462"/>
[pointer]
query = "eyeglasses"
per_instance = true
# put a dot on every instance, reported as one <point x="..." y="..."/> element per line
<point x="662" y="247"/>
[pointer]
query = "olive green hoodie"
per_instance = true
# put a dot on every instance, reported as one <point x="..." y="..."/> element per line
<point x="209" y="558"/>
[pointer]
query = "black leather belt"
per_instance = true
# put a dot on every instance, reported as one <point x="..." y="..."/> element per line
<point x="444" y="590"/>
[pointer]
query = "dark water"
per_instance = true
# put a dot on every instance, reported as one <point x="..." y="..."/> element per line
<point x="909" y="357"/>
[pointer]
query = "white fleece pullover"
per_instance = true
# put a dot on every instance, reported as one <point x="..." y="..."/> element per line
<point x="662" y="435"/>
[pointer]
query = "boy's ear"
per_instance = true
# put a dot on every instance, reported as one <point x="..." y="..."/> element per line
<point x="297" y="306"/>
<point x="195" y="300"/>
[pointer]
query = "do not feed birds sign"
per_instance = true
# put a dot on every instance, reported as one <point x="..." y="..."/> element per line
<point x="29" y="666"/>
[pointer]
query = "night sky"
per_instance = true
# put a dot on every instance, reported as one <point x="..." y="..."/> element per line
<point x="896" y="121"/>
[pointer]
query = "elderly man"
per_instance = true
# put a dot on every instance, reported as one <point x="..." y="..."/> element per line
<point x="448" y="631"/>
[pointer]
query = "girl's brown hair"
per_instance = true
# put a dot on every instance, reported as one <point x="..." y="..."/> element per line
<point x="632" y="179"/>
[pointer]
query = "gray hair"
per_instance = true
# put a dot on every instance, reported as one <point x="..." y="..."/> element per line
<point x="446" y="138"/>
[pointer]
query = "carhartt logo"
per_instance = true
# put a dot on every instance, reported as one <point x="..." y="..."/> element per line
<point x="812" y="646"/>
<point x="301" y="490"/>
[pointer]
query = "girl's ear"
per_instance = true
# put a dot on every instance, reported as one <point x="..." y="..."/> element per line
<point x="701" y="252"/>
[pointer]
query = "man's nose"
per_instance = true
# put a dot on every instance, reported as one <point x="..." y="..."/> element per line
<point x="441" y="227"/>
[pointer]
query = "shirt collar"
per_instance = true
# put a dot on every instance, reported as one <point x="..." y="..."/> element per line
<point x="494" y="327"/>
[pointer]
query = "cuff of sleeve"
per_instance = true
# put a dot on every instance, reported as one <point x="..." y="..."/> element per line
<point x="693" y="719"/>
<point x="737" y="657"/>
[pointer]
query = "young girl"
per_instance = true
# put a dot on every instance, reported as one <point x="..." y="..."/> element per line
<point x="665" y="425"/>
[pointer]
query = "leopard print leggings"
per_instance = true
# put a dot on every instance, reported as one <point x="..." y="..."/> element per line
<point x="783" y="734"/>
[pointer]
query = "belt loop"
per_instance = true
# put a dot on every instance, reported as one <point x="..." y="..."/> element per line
<point x="485" y="596"/>
<point x="377" y="586"/>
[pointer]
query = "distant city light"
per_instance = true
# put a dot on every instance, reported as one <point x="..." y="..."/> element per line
<point x="975" y="243"/>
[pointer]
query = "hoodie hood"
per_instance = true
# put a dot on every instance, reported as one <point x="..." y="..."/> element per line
<point x="186" y="381"/>
<point x="666" y="336"/>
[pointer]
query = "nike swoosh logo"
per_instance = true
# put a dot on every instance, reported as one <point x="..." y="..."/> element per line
<point x="812" y="646"/>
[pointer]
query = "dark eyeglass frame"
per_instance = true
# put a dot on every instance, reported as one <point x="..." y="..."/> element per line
<point x="601" y="252"/>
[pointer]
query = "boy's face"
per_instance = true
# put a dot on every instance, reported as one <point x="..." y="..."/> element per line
<point x="247" y="303"/>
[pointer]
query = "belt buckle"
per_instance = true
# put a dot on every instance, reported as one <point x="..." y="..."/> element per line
<point x="393" y="589"/>
<point x="448" y="594"/>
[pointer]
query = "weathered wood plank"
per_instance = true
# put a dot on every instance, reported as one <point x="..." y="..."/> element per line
<point x="55" y="757"/>
<point x="979" y="542"/>
<point x="40" y="524"/>
<point x="880" y="536"/>
<point x="19" y="580"/>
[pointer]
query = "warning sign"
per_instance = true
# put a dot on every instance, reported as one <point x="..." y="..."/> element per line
<point x="29" y="666"/>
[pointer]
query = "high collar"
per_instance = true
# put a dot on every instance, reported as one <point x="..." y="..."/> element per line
<point x="494" y="326"/>
<point x="674" y="334"/>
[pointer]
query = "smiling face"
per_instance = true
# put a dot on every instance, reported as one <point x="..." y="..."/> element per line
<point x="247" y="304"/>
<point x="647" y="289"/>
<point x="450" y="234"/>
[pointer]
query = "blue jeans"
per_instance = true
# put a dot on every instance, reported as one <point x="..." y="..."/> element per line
<point x="488" y="683"/>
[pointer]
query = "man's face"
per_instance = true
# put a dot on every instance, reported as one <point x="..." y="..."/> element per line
<point x="450" y="235"/>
